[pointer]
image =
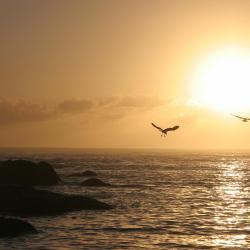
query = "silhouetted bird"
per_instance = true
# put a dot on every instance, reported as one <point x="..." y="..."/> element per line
<point x="166" y="130"/>
<point x="244" y="119"/>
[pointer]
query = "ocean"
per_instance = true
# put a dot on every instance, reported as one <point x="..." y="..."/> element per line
<point x="163" y="200"/>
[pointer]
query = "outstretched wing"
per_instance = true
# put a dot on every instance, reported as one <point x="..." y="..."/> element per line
<point x="157" y="127"/>
<point x="175" y="127"/>
<point x="170" y="129"/>
<point x="243" y="118"/>
<point x="238" y="116"/>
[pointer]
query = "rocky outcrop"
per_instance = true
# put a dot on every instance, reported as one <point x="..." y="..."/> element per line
<point x="94" y="182"/>
<point x="86" y="173"/>
<point x="28" y="201"/>
<point x="21" y="172"/>
<point x="10" y="227"/>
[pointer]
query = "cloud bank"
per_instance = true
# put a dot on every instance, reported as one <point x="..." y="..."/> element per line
<point x="20" y="111"/>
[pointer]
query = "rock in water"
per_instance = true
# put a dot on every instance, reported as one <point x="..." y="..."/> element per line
<point x="94" y="183"/>
<point x="86" y="173"/>
<point x="10" y="227"/>
<point x="28" y="201"/>
<point x="21" y="172"/>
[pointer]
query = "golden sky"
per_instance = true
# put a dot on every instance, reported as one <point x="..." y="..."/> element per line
<point x="96" y="73"/>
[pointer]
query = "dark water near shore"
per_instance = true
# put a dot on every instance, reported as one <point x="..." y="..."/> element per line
<point x="164" y="200"/>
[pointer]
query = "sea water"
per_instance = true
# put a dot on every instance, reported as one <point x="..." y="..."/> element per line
<point x="162" y="200"/>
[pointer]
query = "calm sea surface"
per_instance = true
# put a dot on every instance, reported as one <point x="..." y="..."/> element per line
<point x="163" y="200"/>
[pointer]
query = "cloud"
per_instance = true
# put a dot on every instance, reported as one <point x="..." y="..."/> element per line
<point x="116" y="108"/>
<point x="75" y="106"/>
<point x="141" y="102"/>
<point x="20" y="111"/>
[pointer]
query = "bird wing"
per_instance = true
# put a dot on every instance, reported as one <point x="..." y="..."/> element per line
<point x="243" y="118"/>
<point x="170" y="129"/>
<point x="157" y="127"/>
<point x="175" y="127"/>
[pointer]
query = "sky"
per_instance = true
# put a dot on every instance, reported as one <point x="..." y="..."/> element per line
<point x="96" y="73"/>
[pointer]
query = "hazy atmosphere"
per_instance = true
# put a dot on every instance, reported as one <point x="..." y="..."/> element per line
<point x="97" y="73"/>
<point x="124" y="124"/>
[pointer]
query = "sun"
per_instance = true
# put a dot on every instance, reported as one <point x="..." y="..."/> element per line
<point x="222" y="81"/>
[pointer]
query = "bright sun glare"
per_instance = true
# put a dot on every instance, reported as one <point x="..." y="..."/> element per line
<point x="222" y="81"/>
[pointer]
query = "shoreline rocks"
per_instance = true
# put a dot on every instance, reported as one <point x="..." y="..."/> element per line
<point x="94" y="182"/>
<point x="10" y="227"/>
<point x="28" y="201"/>
<point x="22" y="172"/>
<point x="87" y="173"/>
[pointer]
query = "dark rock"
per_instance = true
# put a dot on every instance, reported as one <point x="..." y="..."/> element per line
<point x="21" y="172"/>
<point x="28" y="201"/>
<point x="87" y="173"/>
<point x="94" y="183"/>
<point x="10" y="227"/>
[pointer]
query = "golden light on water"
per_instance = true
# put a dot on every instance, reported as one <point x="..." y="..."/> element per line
<point x="222" y="80"/>
<point x="230" y="214"/>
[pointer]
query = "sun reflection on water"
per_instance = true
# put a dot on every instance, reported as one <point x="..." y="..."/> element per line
<point x="231" y="210"/>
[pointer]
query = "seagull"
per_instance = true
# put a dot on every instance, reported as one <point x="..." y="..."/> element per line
<point x="244" y="119"/>
<point x="165" y="131"/>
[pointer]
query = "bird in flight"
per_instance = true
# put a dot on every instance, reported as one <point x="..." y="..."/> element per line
<point x="244" y="119"/>
<point x="166" y="130"/>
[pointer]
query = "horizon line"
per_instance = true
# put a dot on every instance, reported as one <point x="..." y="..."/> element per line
<point x="123" y="148"/>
